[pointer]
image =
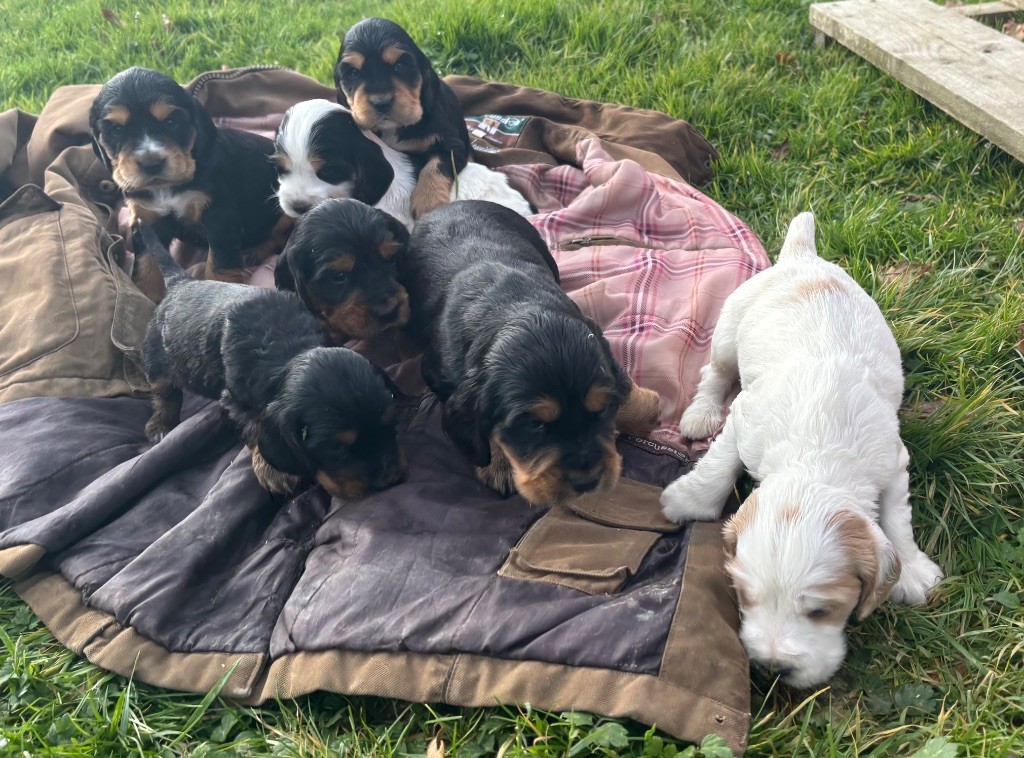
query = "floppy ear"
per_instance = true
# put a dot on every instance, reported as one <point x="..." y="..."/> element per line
<point x="467" y="421"/>
<point x="738" y="523"/>
<point x="874" y="559"/>
<point x="373" y="174"/>
<point x="431" y="84"/>
<point x="284" y="277"/>
<point x="279" y="443"/>
<point x="100" y="152"/>
<point x="342" y="99"/>
<point x="206" y="130"/>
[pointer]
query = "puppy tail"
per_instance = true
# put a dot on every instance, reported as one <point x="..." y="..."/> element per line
<point x="799" y="242"/>
<point x="145" y="242"/>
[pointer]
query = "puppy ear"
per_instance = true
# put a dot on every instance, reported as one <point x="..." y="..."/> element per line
<point x="284" y="277"/>
<point x="874" y="559"/>
<point x="342" y="99"/>
<point x="431" y="84"/>
<point x="373" y="174"/>
<point x="278" y="446"/>
<point x="467" y="420"/>
<point x="100" y="152"/>
<point x="739" y="523"/>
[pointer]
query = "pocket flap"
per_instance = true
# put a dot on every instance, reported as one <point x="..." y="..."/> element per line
<point x="629" y="505"/>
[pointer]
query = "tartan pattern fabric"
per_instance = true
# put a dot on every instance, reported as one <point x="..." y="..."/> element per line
<point x="650" y="258"/>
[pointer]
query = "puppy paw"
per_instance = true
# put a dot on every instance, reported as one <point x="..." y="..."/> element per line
<point x="273" y="481"/>
<point x="684" y="500"/>
<point x="497" y="476"/>
<point x="156" y="430"/>
<point x="640" y="414"/>
<point x="701" y="419"/>
<point x="917" y="577"/>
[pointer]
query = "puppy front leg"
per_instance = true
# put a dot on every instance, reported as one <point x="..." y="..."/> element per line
<point x="224" y="258"/>
<point x="433" y="188"/>
<point x="919" y="573"/>
<point x="701" y="494"/>
<point x="273" y="481"/>
<point x="167" y="401"/>
<point x="498" y="473"/>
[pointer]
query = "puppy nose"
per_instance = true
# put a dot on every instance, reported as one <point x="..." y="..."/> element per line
<point x="381" y="103"/>
<point x="783" y="671"/>
<point x="152" y="166"/>
<point x="301" y="208"/>
<point x="584" y="482"/>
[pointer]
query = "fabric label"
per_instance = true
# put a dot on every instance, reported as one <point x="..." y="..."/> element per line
<point x="490" y="133"/>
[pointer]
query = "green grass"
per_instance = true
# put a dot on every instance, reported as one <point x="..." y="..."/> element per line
<point x="925" y="214"/>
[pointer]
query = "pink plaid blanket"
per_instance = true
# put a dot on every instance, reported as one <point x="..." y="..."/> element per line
<point x="651" y="259"/>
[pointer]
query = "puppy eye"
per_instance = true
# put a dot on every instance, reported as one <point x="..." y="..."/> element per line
<point x="817" y="613"/>
<point x="349" y="73"/>
<point x="331" y="175"/>
<point x="339" y="276"/>
<point x="172" y="121"/>
<point x="400" y="65"/>
<point x="114" y="129"/>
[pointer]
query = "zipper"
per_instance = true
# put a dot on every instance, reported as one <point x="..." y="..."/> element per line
<point x="580" y="242"/>
<point x="200" y="83"/>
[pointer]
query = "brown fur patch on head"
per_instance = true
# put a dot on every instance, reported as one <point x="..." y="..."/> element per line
<point x="179" y="167"/>
<point x="391" y="54"/>
<point x="540" y="480"/>
<point x="344" y="262"/>
<point x="640" y="414"/>
<point x="118" y="114"/>
<point x="353" y="59"/>
<point x="808" y="288"/>
<point x="351" y="317"/>
<point x="838" y="598"/>
<point x="315" y="162"/>
<point x="789" y="513"/>
<point x="282" y="161"/>
<point x="365" y="115"/>
<point x="161" y="109"/>
<point x="433" y="189"/>
<point x="388" y="248"/>
<point x="739" y="523"/>
<point x="546" y="409"/>
<point x="406" y="108"/>
<point x="876" y="566"/>
<point x="597" y="398"/>
<point x="346" y="487"/>
<point x="348" y="436"/>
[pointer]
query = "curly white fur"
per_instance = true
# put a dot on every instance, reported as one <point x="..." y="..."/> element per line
<point x="828" y="531"/>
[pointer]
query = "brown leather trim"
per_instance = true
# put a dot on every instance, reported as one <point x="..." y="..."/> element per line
<point x="702" y="649"/>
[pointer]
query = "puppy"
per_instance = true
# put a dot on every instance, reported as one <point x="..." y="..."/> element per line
<point x="528" y="383"/>
<point x="395" y="93"/>
<point x="341" y="261"/>
<point x="304" y="410"/>
<point x="208" y="186"/>
<point x="321" y="153"/>
<point x="827" y="532"/>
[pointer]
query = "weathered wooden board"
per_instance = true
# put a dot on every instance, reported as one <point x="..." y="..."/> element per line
<point x="996" y="11"/>
<point x="972" y="72"/>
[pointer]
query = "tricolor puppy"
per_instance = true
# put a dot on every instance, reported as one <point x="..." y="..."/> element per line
<point x="341" y="260"/>
<point x="827" y="532"/>
<point x="305" y="411"/>
<point x="187" y="178"/>
<point x="395" y="93"/>
<point x="530" y="389"/>
<point x="321" y="153"/>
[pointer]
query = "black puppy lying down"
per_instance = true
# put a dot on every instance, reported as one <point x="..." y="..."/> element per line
<point x="304" y="410"/>
<point x="531" y="392"/>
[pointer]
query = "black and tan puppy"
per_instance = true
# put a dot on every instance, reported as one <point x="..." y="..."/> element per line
<point x="530" y="389"/>
<point x="305" y="411"/>
<point x="209" y="186"/>
<point x="394" y="92"/>
<point x="341" y="261"/>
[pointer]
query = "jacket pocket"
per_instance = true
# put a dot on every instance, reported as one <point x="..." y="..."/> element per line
<point x="596" y="544"/>
<point x="38" y="310"/>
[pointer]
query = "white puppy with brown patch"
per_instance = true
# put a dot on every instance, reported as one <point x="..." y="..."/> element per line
<point x="827" y="531"/>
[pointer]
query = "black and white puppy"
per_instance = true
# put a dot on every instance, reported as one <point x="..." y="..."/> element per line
<point x="191" y="180"/>
<point x="393" y="91"/>
<point x="321" y="153"/>
<point x="531" y="392"/>
<point x="304" y="410"/>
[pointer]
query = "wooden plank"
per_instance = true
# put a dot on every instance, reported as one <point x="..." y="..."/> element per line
<point x="988" y="12"/>
<point x="972" y="72"/>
